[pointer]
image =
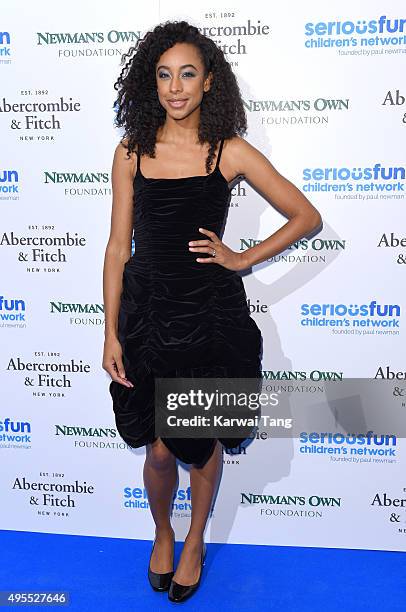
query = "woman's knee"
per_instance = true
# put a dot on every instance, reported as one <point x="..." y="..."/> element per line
<point x="159" y="456"/>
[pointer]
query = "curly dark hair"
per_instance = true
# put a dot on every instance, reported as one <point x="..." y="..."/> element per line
<point x="139" y="111"/>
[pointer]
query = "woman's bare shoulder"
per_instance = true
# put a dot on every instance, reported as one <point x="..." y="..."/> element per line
<point x="236" y="149"/>
<point x="237" y="144"/>
<point x="123" y="145"/>
<point x="242" y="154"/>
<point x="122" y="162"/>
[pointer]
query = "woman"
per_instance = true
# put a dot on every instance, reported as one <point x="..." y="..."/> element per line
<point x="177" y="307"/>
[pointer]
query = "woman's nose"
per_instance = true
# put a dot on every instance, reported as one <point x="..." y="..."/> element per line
<point x="175" y="84"/>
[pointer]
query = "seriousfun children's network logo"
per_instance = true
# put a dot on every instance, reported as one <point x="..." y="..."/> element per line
<point x="15" y="434"/>
<point x="350" y="448"/>
<point x="137" y="499"/>
<point x="9" y="185"/>
<point x="5" y="48"/>
<point x="363" y="183"/>
<point x="12" y="312"/>
<point x="361" y="37"/>
<point x="364" y="319"/>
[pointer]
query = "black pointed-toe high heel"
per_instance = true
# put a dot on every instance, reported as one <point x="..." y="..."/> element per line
<point x="159" y="582"/>
<point x="180" y="592"/>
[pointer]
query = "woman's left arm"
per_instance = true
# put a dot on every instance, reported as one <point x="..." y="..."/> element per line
<point x="244" y="159"/>
<point x="284" y="195"/>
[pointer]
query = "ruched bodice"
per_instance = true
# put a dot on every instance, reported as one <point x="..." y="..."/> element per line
<point x="178" y="316"/>
<point x="168" y="211"/>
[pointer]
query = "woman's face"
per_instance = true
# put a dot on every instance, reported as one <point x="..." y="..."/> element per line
<point x="180" y="76"/>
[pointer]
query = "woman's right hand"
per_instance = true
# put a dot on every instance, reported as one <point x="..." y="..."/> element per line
<point x="113" y="361"/>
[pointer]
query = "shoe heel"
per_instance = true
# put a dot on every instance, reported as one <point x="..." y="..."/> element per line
<point x="159" y="582"/>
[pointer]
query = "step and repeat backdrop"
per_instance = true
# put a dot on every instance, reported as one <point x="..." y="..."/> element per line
<point x="325" y="95"/>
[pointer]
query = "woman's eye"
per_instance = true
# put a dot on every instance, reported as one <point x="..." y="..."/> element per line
<point x="164" y="74"/>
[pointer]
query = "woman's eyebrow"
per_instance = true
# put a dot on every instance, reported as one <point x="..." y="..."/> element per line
<point x="184" y="66"/>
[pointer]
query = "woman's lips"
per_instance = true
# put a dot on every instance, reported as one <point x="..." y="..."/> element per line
<point x="177" y="103"/>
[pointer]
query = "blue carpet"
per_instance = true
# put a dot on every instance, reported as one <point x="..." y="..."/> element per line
<point x="110" y="574"/>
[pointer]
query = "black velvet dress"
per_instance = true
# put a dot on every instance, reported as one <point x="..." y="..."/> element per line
<point x="179" y="317"/>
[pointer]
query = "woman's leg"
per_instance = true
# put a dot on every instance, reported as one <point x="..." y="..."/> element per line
<point x="203" y="482"/>
<point x="160" y="475"/>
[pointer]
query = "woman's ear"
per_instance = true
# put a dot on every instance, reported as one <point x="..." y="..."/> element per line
<point x="207" y="83"/>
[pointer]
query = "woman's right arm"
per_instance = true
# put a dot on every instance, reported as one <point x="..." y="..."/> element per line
<point x="118" y="251"/>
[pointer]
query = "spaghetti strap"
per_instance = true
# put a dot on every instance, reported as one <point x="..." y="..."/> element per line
<point x="138" y="160"/>
<point x="219" y="153"/>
